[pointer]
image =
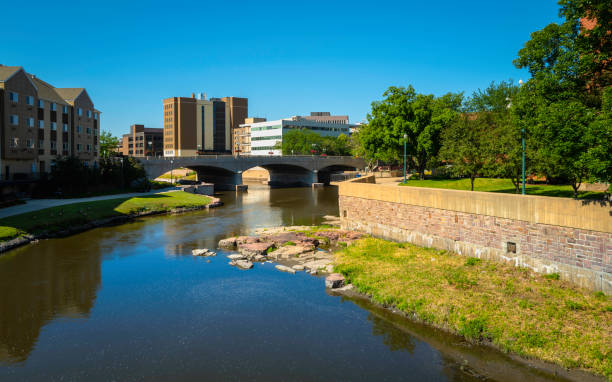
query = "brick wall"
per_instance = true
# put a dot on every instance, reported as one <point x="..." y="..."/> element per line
<point x="579" y="255"/>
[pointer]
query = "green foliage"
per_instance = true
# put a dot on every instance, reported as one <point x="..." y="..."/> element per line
<point x="306" y="142"/>
<point x="473" y="329"/>
<point x="108" y="144"/>
<point x="553" y="276"/>
<point x="458" y="278"/>
<point x="563" y="106"/>
<point x="471" y="261"/>
<point x="421" y="117"/>
<point x="70" y="177"/>
<point x="288" y="243"/>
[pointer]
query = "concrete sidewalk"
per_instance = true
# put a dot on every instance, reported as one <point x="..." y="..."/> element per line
<point x="39" y="204"/>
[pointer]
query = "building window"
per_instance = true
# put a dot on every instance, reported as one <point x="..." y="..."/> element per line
<point x="53" y="145"/>
<point x="79" y="129"/>
<point x="79" y="147"/>
<point x="53" y="126"/>
<point x="95" y="116"/>
<point x="13" y="97"/>
<point x="14" y="119"/>
<point x="86" y="163"/>
<point x="88" y="147"/>
<point x="53" y="106"/>
<point x="14" y="142"/>
<point x="41" y="144"/>
<point x="65" y="109"/>
<point x="88" y="113"/>
<point x="41" y="124"/>
<point x="29" y="143"/>
<point x="30" y="122"/>
<point x="65" y="128"/>
<point x="65" y="145"/>
<point x="80" y="112"/>
<point x="41" y="104"/>
<point x="29" y="100"/>
<point x="88" y="130"/>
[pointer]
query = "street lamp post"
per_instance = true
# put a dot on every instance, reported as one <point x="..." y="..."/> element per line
<point x="171" y="171"/>
<point x="122" y="174"/>
<point x="523" y="143"/>
<point x="405" y="139"/>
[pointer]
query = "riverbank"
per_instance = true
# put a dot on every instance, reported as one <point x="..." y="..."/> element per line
<point x="68" y="219"/>
<point x="512" y="309"/>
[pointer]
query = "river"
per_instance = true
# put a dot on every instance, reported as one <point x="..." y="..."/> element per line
<point x="130" y="302"/>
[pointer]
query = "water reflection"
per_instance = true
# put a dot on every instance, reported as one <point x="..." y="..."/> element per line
<point x="43" y="285"/>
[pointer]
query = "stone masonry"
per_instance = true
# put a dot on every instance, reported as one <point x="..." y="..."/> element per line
<point x="578" y="255"/>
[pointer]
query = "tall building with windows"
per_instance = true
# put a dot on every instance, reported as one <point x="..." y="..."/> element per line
<point x="142" y="142"/>
<point x="39" y="123"/>
<point x="264" y="136"/>
<point x="239" y="111"/>
<point x="200" y="126"/>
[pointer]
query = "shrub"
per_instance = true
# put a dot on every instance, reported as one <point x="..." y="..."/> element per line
<point x="553" y="276"/>
<point x="471" y="261"/>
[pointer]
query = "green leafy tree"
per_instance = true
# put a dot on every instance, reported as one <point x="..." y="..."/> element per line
<point x="306" y="142"/>
<point x="465" y="145"/>
<point x="403" y="111"/>
<point x="562" y="105"/>
<point x="108" y="144"/>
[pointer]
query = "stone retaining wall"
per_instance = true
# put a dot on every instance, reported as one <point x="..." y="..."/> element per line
<point x="549" y="235"/>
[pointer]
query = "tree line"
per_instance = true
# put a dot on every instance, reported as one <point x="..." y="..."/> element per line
<point x="564" y="112"/>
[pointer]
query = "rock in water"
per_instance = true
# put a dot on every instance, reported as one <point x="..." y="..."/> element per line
<point x="236" y="257"/>
<point x="228" y="243"/>
<point x="284" y="268"/>
<point x="244" y="264"/>
<point x="254" y="249"/>
<point x="298" y="267"/>
<point x="335" y="280"/>
<point x="202" y="252"/>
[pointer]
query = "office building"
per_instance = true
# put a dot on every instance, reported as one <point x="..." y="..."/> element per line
<point x="142" y="142"/>
<point x="264" y="136"/>
<point x="198" y="126"/>
<point x="242" y="136"/>
<point x="39" y="123"/>
<point x="239" y="111"/>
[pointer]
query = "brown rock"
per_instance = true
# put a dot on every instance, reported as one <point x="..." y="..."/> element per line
<point x="335" y="280"/>
<point x="254" y="249"/>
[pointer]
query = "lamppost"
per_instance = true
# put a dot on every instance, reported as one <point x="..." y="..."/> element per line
<point x="122" y="174"/>
<point x="405" y="139"/>
<point x="171" y="170"/>
<point x="523" y="143"/>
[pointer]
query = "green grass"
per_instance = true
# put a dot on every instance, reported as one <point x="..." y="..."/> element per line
<point x="515" y="309"/>
<point x="58" y="218"/>
<point x="502" y="185"/>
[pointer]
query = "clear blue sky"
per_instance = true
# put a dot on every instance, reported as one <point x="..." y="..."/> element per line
<point x="288" y="58"/>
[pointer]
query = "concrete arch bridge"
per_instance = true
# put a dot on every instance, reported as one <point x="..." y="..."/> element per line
<point x="225" y="171"/>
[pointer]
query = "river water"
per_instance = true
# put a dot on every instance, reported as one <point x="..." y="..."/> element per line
<point x="130" y="302"/>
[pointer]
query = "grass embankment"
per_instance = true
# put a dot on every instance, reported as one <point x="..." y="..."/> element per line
<point x="502" y="185"/>
<point x="517" y="310"/>
<point x="59" y="218"/>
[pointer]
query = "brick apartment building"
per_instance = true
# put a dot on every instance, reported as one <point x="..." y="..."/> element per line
<point x="198" y="126"/>
<point x="39" y="123"/>
<point x="142" y="142"/>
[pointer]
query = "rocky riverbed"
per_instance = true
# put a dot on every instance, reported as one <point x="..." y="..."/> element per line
<point x="294" y="249"/>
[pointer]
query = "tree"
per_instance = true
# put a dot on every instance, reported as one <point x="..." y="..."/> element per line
<point x="403" y="111"/>
<point x="306" y="142"/>
<point x="108" y="144"/>
<point x="562" y="106"/>
<point x="465" y="145"/>
<point x="504" y="149"/>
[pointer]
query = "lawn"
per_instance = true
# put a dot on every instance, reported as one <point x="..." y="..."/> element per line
<point x="61" y="217"/>
<point x="517" y="310"/>
<point x="502" y="185"/>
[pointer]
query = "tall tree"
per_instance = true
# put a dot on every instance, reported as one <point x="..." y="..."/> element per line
<point x="108" y="144"/>
<point x="465" y="145"/>
<point x="420" y="117"/>
<point x="560" y="105"/>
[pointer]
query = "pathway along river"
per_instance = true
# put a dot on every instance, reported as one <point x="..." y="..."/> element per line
<point x="130" y="302"/>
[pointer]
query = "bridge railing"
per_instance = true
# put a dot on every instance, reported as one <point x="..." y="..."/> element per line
<point x="322" y="157"/>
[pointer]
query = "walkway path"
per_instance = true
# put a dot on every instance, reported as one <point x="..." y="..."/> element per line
<point x="39" y="204"/>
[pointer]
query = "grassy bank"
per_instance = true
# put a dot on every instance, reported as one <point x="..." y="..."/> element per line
<point x="516" y="309"/>
<point x="59" y="218"/>
<point x="504" y="186"/>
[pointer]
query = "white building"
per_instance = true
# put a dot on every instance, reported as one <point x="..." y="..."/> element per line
<point x="265" y="135"/>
